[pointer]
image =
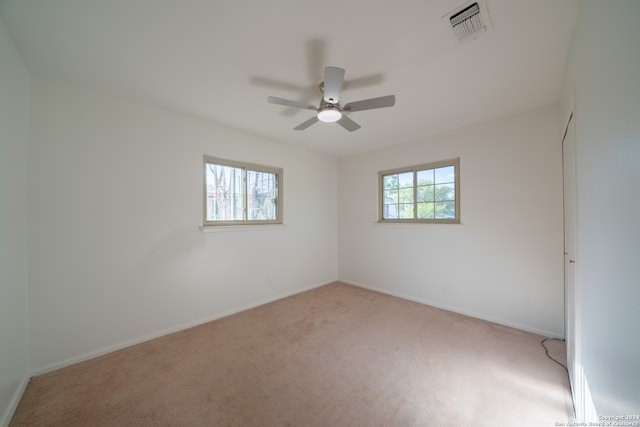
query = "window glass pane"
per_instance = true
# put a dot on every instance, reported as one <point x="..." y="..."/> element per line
<point x="262" y="194"/>
<point x="426" y="210"/>
<point x="445" y="175"/>
<point x="405" y="210"/>
<point x="405" y="180"/>
<point x="390" y="211"/>
<point x="445" y="209"/>
<point x="425" y="193"/>
<point x="225" y="194"/>
<point x="390" y="196"/>
<point x="405" y="195"/>
<point x="425" y="177"/>
<point x="445" y="192"/>
<point x="390" y="182"/>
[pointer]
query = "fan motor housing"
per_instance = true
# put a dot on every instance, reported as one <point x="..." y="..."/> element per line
<point x="319" y="86"/>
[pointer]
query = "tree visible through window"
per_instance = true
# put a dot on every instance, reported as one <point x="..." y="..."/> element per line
<point x="424" y="193"/>
<point x="241" y="193"/>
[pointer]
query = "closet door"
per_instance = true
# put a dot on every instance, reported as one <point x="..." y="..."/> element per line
<point x="572" y="315"/>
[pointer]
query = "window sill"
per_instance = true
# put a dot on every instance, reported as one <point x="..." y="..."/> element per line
<point x="415" y="223"/>
<point x="248" y="227"/>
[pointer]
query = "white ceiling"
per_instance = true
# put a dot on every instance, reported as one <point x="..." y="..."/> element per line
<point x="220" y="59"/>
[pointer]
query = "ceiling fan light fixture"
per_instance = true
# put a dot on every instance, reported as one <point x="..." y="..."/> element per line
<point x="330" y="111"/>
<point x="329" y="115"/>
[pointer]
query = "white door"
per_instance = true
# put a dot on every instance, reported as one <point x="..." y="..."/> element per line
<point x="572" y="322"/>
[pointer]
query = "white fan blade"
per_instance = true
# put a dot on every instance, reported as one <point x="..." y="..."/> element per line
<point x="348" y="124"/>
<point x="306" y="124"/>
<point x="288" y="103"/>
<point x="370" y="104"/>
<point x="333" y="78"/>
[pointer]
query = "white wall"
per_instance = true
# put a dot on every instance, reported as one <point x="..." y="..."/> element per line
<point x="115" y="201"/>
<point x="603" y="86"/>
<point x="14" y="122"/>
<point x="504" y="262"/>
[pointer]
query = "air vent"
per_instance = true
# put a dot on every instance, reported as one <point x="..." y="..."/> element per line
<point x="467" y="21"/>
<point x="470" y="19"/>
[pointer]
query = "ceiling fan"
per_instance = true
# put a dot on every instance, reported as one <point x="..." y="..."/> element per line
<point x="330" y="109"/>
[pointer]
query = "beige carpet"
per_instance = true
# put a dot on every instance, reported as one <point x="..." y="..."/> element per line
<point x="337" y="355"/>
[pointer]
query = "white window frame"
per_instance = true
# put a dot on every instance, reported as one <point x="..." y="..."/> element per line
<point x="415" y="169"/>
<point x="244" y="166"/>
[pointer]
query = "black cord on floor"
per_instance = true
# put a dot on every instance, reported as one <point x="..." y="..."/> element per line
<point x="546" y="350"/>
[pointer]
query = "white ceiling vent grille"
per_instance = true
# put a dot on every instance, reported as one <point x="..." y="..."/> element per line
<point x="469" y="19"/>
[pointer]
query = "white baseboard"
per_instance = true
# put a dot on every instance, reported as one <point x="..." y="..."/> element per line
<point x="514" y="325"/>
<point x="87" y="356"/>
<point x="13" y="403"/>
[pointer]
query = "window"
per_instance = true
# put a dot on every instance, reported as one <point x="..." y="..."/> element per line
<point x="423" y="193"/>
<point x="241" y="193"/>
